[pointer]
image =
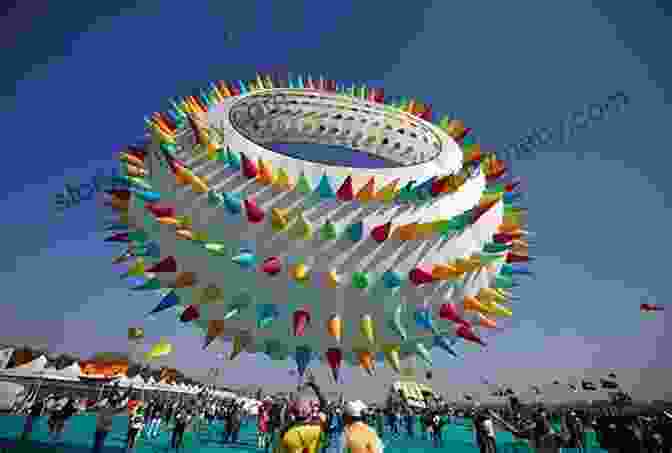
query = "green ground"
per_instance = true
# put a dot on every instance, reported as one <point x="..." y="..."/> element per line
<point x="78" y="438"/>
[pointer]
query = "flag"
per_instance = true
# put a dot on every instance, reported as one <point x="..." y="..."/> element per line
<point x="588" y="385"/>
<point x="468" y="397"/>
<point x="609" y="384"/>
<point x="136" y="333"/>
<point x="5" y="356"/>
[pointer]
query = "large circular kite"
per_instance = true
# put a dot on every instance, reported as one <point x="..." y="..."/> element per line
<point x="307" y="258"/>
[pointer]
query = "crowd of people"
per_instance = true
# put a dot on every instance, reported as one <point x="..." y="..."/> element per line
<point x="306" y="422"/>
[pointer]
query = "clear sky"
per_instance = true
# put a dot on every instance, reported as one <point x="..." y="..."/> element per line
<point x="75" y="88"/>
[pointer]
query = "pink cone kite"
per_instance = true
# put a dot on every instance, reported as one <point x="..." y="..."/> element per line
<point x="469" y="335"/>
<point x="165" y="265"/>
<point x="334" y="358"/>
<point x="345" y="192"/>
<point x="254" y="213"/>
<point x="271" y="266"/>
<point x="301" y="319"/>
<point x="449" y="312"/>
<point x="381" y="232"/>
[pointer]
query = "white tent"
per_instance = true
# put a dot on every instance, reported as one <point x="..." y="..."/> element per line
<point x="70" y="373"/>
<point x="124" y="382"/>
<point x="33" y="368"/>
<point x="137" y="381"/>
<point x="9" y="393"/>
<point x="151" y="381"/>
<point x="73" y="370"/>
<point x="39" y="364"/>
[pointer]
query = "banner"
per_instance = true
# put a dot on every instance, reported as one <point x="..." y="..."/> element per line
<point x="5" y="357"/>
<point x="23" y="356"/>
<point x="168" y="375"/>
<point x="106" y="369"/>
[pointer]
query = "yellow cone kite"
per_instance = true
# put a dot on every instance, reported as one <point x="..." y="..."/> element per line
<point x="391" y="352"/>
<point x="366" y="327"/>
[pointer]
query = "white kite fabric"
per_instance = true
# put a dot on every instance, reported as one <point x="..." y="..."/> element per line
<point x="5" y="357"/>
<point x="293" y="257"/>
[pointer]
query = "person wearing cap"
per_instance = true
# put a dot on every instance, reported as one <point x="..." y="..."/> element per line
<point x="358" y="437"/>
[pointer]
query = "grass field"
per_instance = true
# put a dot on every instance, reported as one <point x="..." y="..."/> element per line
<point x="78" y="438"/>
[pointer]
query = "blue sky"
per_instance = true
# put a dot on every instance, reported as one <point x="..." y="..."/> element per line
<point x="79" y="87"/>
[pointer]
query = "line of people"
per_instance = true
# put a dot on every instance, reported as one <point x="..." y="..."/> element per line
<point x="308" y="423"/>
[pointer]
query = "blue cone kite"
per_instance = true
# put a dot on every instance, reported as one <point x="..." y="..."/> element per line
<point x="520" y="269"/>
<point x="170" y="300"/>
<point x="445" y="344"/>
<point x="392" y="279"/>
<point x="232" y="203"/>
<point x="116" y="227"/>
<point x="266" y="314"/>
<point x="246" y="260"/>
<point x="510" y="197"/>
<point x="233" y="160"/>
<point x="146" y="195"/>
<point x="324" y="189"/>
<point x="356" y="231"/>
<point x="302" y="357"/>
<point x="149" y="285"/>
<point x="424" y="319"/>
<point x="153" y="250"/>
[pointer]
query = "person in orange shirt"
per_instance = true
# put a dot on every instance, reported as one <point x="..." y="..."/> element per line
<point x="358" y="437"/>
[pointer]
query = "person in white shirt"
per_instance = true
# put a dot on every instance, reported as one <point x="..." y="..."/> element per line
<point x="485" y="432"/>
<point x="358" y="437"/>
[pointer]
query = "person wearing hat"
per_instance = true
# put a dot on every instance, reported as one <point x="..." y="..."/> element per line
<point x="358" y="437"/>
